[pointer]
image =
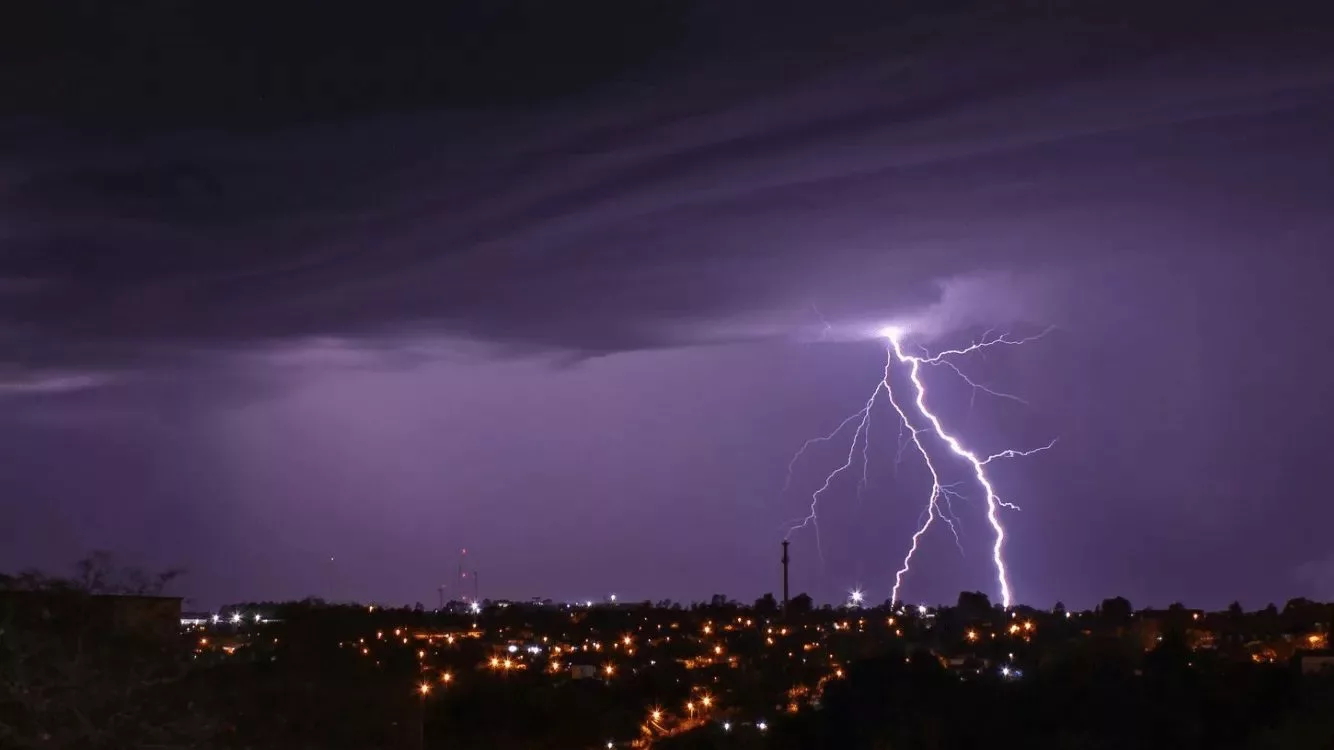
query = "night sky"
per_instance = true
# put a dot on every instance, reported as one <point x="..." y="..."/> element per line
<point x="567" y="284"/>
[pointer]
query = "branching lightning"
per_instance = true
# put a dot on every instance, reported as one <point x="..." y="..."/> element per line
<point x="939" y="500"/>
<point x="863" y="418"/>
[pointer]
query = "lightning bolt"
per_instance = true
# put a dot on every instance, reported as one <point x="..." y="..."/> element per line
<point x="791" y="465"/>
<point x="938" y="504"/>
<point x="932" y="501"/>
<point x="863" y="419"/>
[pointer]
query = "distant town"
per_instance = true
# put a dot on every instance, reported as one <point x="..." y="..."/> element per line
<point x="611" y="674"/>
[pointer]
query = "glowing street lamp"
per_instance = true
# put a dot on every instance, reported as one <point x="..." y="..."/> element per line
<point x="423" y="690"/>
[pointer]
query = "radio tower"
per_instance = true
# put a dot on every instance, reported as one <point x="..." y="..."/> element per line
<point x="462" y="577"/>
<point x="785" y="576"/>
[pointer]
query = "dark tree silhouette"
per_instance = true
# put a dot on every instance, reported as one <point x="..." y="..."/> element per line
<point x="1115" y="611"/>
<point x="800" y="604"/>
<point x="73" y="676"/>
<point x="974" y="605"/>
<point x="766" y="605"/>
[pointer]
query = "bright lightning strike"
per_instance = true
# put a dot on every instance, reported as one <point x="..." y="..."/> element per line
<point x="938" y="503"/>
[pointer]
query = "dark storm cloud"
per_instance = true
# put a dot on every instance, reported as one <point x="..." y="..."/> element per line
<point x="717" y="193"/>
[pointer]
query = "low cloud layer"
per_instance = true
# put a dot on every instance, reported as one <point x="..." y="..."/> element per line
<point x="956" y="169"/>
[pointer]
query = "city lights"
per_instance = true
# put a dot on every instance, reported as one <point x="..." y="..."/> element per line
<point x="822" y="644"/>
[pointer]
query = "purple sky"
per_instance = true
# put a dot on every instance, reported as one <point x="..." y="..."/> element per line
<point x="578" y="335"/>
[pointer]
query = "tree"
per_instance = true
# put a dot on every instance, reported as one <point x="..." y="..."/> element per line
<point x="71" y="677"/>
<point x="1296" y="606"/>
<point x="766" y="605"/>
<point x="31" y="579"/>
<point x="1176" y="615"/>
<point x="1116" y="611"/>
<point x="98" y="573"/>
<point x="974" y="605"/>
<point x="800" y="604"/>
<point x="1059" y="610"/>
<point x="1235" y="611"/>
